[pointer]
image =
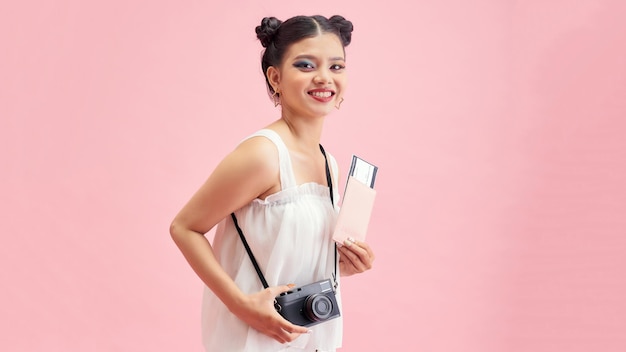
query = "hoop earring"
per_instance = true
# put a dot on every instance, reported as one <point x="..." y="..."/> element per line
<point x="338" y="105"/>
<point x="276" y="98"/>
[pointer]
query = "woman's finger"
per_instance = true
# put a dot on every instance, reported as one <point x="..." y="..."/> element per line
<point x="359" y="255"/>
<point x="362" y="255"/>
<point x="367" y="249"/>
<point x="352" y="259"/>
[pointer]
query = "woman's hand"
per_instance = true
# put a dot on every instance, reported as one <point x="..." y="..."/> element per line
<point x="258" y="311"/>
<point x="355" y="257"/>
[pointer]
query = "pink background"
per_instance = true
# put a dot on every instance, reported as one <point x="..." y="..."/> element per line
<point x="498" y="127"/>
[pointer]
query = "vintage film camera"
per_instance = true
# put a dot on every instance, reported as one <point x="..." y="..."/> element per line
<point x="309" y="305"/>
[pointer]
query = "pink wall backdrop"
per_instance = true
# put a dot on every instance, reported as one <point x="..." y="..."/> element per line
<point x="498" y="127"/>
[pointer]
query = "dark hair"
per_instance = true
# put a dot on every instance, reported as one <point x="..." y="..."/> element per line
<point x="277" y="36"/>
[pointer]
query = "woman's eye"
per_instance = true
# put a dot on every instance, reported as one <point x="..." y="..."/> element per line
<point x="337" y="67"/>
<point x="304" y="65"/>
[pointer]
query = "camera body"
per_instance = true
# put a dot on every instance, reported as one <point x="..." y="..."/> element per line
<point x="309" y="305"/>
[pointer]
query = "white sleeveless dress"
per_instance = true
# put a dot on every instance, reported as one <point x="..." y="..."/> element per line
<point x="289" y="233"/>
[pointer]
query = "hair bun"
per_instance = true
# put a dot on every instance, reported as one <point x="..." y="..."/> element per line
<point x="267" y="30"/>
<point x="344" y="27"/>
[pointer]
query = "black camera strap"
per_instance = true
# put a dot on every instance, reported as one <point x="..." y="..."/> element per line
<point x="247" y="247"/>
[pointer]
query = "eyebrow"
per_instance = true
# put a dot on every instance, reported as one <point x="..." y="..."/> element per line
<point x="311" y="57"/>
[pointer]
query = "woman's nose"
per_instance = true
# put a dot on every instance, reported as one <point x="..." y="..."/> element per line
<point x="322" y="77"/>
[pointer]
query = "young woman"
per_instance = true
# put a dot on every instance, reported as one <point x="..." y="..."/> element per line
<point x="275" y="182"/>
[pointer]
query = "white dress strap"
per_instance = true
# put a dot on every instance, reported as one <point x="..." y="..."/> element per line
<point x="287" y="177"/>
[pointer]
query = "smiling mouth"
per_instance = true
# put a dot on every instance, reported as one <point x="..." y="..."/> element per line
<point x="325" y="94"/>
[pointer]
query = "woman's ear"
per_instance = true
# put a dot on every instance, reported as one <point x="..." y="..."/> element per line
<point x="273" y="76"/>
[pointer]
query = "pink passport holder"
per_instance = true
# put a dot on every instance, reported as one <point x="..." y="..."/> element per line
<point x="355" y="212"/>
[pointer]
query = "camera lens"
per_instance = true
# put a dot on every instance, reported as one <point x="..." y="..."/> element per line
<point x="318" y="307"/>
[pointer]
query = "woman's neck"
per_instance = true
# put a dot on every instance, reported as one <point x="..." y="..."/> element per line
<point x="305" y="132"/>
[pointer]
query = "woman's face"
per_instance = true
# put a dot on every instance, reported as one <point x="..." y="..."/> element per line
<point x="312" y="78"/>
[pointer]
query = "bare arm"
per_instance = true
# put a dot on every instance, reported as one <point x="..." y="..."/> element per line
<point x="249" y="171"/>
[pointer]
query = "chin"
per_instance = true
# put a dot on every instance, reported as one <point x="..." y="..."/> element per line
<point x="321" y="113"/>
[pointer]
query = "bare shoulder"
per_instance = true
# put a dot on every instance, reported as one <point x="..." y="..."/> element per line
<point x="257" y="154"/>
<point x="256" y="164"/>
<point x="248" y="172"/>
